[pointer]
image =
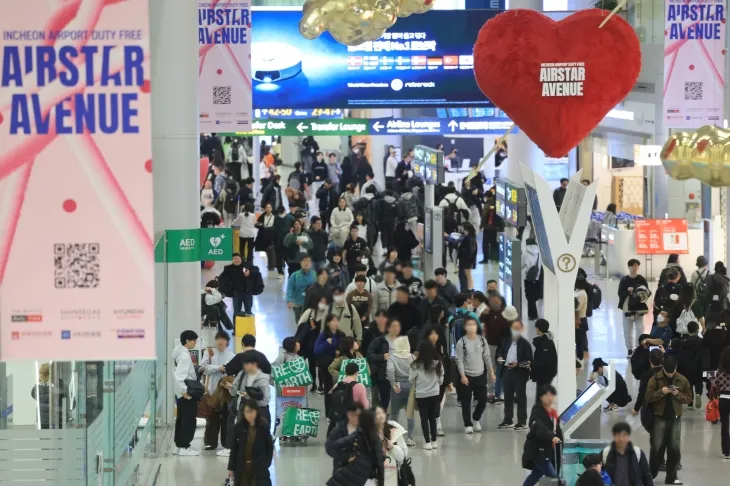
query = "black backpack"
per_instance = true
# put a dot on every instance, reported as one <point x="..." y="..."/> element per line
<point x="701" y="289"/>
<point x="596" y="296"/>
<point x="454" y="214"/>
<point x="342" y="398"/>
<point x="229" y="204"/>
<point x="234" y="153"/>
<point x="405" y="474"/>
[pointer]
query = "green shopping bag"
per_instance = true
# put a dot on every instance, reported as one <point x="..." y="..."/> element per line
<point x="298" y="422"/>
<point x="363" y="376"/>
<point x="292" y="373"/>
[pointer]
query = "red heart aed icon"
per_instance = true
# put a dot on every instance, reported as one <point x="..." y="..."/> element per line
<point x="556" y="80"/>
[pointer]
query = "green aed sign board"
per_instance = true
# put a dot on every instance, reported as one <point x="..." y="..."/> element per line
<point x="194" y="245"/>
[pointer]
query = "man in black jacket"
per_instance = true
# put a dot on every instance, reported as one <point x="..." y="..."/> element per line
<point x="405" y="311"/>
<point x="233" y="284"/>
<point x="545" y="363"/>
<point x="631" y="306"/>
<point x="340" y="431"/>
<point x="559" y="193"/>
<point x="624" y="462"/>
<point x="319" y="243"/>
<point x="515" y="354"/>
<point x="245" y="193"/>
<point x="327" y="197"/>
<point x="656" y="358"/>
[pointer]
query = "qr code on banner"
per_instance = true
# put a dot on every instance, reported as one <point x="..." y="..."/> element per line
<point x="693" y="90"/>
<point x="221" y="95"/>
<point x="76" y="265"/>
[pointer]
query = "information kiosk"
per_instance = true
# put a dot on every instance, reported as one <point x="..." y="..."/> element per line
<point x="428" y="164"/>
<point x="510" y="269"/>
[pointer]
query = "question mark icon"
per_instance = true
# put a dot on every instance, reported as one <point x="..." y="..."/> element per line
<point x="566" y="262"/>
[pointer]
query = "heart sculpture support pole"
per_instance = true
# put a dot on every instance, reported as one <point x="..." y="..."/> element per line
<point x="560" y="238"/>
<point x="613" y="12"/>
<point x="475" y="170"/>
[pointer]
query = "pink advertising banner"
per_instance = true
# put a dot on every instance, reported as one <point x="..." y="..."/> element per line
<point x="694" y="63"/>
<point x="224" y="66"/>
<point x="76" y="253"/>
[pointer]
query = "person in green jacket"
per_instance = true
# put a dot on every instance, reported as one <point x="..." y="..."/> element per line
<point x="297" y="245"/>
<point x="282" y="223"/>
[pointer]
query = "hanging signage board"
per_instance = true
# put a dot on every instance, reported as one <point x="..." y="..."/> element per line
<point x="76" y="238"/>
<point x="661" y="236"/>
<point x="428" y="164"/>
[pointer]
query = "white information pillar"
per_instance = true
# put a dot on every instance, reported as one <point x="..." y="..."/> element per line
<point x="560" y="238"/>
<point x="175" y="157"/>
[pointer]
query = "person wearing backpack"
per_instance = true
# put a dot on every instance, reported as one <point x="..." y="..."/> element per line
<point x="545" y="361"/>
<point x="656" y="359"/>
<point x="624" y="462"/>
<point x="532" y="270"/>
<point x="455" y="208"/>
<point x="687" y="309"/>
<point x="690" y="366"/>
<point x="473" y="361"/>
<point x="467" y="257"/>
<point x="349" y="391"/>
<point x="339" y="430"/>
<point x="699" y="279"/>
<point x="632" y="307"/>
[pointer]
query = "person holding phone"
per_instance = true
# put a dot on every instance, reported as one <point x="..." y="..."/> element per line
<point x="515" y="356"/>
<point x="540" y="452"/>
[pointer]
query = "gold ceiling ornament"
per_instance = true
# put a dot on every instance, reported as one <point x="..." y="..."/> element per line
<point x="351" y="22"/>
<point x="408" y="7"/>
<point x="703" y="155"/>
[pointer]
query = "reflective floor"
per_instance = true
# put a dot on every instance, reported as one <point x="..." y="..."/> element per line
<point x="492" y="457"/>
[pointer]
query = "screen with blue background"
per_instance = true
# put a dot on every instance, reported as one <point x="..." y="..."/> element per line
<point x="422" y="60"/>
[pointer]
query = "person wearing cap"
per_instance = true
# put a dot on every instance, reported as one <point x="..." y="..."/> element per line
<point x="515" y="355"/>
<point x="545" y="362"/>
<point x="620" y="396"/>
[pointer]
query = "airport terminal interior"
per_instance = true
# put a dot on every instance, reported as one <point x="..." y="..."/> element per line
<point x="494" y="232"/>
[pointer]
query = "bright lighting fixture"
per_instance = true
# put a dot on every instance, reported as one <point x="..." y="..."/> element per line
<point x="621" y="115"/>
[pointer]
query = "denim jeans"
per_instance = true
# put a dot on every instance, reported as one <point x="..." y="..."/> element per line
<point x="540" y="469"/>
<point x="242" y="300"/>
<point x="666" y="437"/>
<point x="495" y="387"/>
<point x="398" y="402"/>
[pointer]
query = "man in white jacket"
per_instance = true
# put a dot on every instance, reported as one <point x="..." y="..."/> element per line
<point x="187" y="408"/>
<point x="211" y="363"/>
<point x="453" y="198"/>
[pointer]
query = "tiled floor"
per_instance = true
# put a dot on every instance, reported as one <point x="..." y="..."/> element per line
<point x="492" y="457"/>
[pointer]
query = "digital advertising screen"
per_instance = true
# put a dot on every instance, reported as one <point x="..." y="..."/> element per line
<point x="511" y="203"/>
<point x="428" y="164"/>
<point x="423" y="60"/>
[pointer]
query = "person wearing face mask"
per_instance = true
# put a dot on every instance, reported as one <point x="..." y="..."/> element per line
<point x="310" y="325"/>
<point x="473" y="361"/>
<point x="666" y="393"/>
<point x="354" y="247"/>
<point x="661" y="334"/>
<point x="515" y="354"/>
<point x="347" y="316"/>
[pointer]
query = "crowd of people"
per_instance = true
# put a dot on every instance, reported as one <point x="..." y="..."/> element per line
<point x="423" y="340"/>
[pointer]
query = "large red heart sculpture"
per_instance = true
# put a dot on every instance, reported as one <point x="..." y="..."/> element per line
<point x="513" y="47"/>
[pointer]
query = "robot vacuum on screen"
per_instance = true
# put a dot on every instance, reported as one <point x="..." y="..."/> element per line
<point x="272" y="62"/>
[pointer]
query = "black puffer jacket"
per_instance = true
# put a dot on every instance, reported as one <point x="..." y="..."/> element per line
<point x="376" y="357"/>
<point x="539" y="442"/>
<point x="262" y="454"/>
<point x="366" y="464"/>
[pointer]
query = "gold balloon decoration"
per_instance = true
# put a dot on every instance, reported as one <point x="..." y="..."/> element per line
<point x="353" y="22"/>
<point x="703" y="155"/>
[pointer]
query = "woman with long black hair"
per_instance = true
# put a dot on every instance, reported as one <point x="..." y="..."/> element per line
<point x="367" y="458"/>
<point x="325" y="350"/>
<point x="426" y="376"/>
<point x="543" y="439"/>
<point x="252" y="449"/>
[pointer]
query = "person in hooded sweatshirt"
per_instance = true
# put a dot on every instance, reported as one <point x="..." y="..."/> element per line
<point x="545" y="359"/>
<point x="254" y="384"/>
<point x="414" y="284"/>
<point x="473" y="362"/>
<point x="397" y="371"/>
<point x="446" y="289"/>
<point x="187" y="407"/>
<point x="690" y="362"/>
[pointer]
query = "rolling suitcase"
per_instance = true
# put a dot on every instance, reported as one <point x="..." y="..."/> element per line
<point x="544" y="481"/>
<point x="244" y="325"/>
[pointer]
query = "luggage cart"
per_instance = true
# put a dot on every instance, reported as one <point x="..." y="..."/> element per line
<point x="286" y="397"/>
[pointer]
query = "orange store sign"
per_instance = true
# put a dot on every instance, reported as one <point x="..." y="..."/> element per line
<point x="661" y="236"/>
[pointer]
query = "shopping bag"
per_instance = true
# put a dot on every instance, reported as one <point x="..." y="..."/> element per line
<point x="299" y="422"/>
<point x="712" y="411"/>
<point x="292" y="373"/>
<point x="363" y="375"/>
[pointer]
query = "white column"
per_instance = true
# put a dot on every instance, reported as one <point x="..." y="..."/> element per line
<point x="380" y="143"/>
<point x="175" y="154"/>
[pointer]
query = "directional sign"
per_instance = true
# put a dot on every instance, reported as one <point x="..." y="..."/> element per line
<point x="428" y="164"/>
<point x="306" y="127"/>
<point x="439" y="126"/>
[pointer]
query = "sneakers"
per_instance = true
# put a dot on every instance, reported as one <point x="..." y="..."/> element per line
<point x="209" y="448"/>
<point x="175" y="451"/>
<point x="440" y="432"/>
<point x="726" y="457"/>
<point x="434" y="445"/>
<point x="520" y="427"/>
<point x="690" y="406"/>
<point x="506" y="425"/>
<point x="410" y="442"/>
<point x="188" y="452"/>
<point x="698" y="401"/>
<point x="468" y="430"/>
<point x="313" y="389"/>
<point x="676" y="481"/>
<point x="427" y="446"/>
<point x="320" y="390"/>
<point x="223" y="453"/>
<point x="477" y="426"/>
